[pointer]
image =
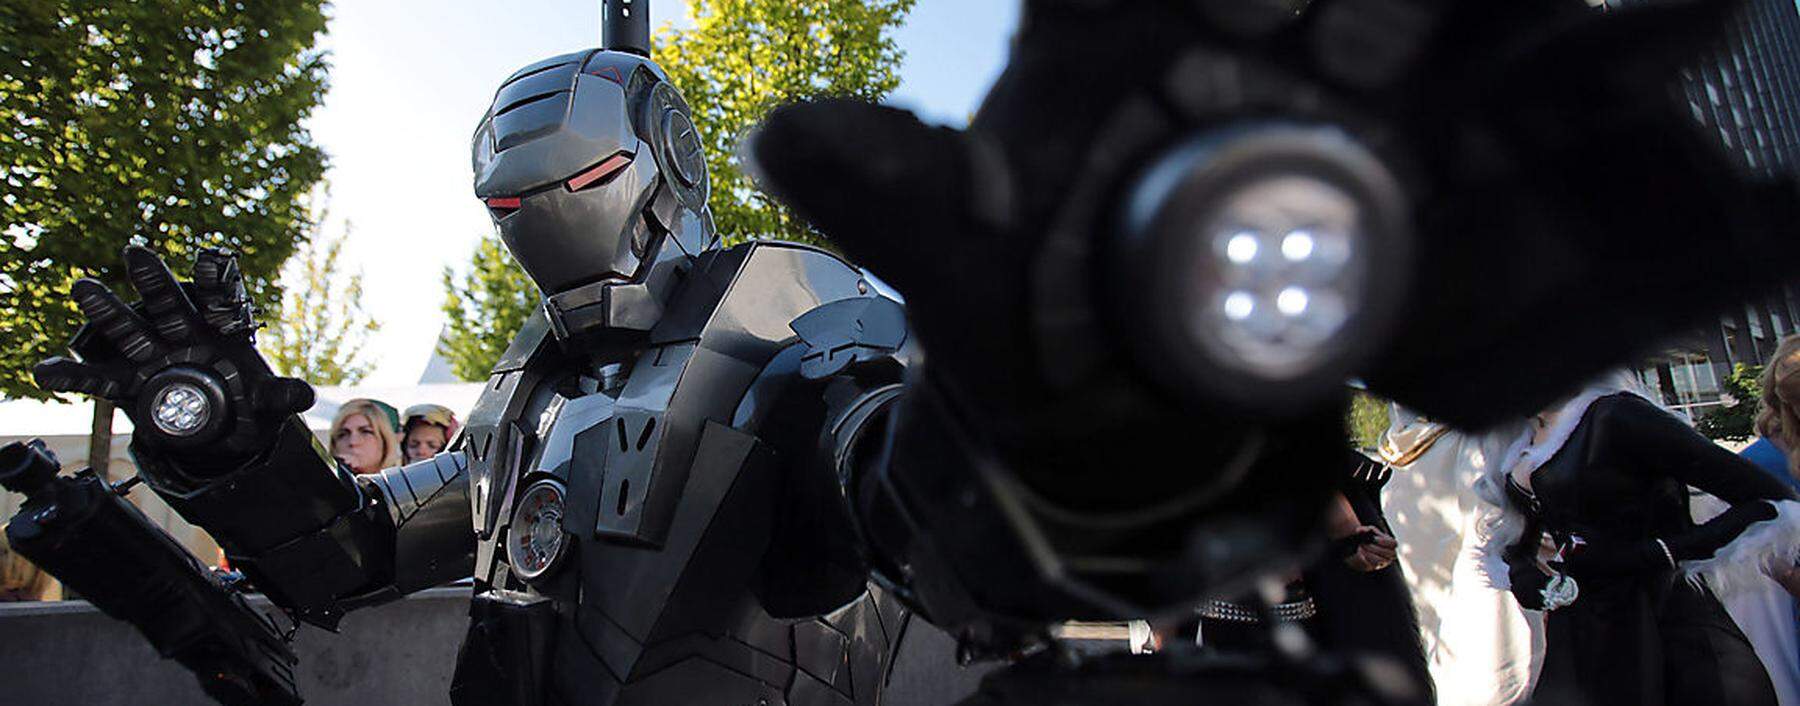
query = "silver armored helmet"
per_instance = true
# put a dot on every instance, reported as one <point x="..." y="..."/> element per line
<point x="591" y="169"/>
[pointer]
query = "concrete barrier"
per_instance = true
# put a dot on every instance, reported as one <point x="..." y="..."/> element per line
<point x="68" y="654"/>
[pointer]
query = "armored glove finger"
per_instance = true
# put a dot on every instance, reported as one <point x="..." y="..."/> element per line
<point x="164" y="301"/>
<point x="61" y="374"/>
<point x="283" y="395"/>
<point x="901" y="197"/>
<point x="220" y="295"/>
<point x="115" y="323"/>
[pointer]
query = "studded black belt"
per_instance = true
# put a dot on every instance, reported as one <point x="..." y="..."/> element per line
<point x="1227" y="611"/>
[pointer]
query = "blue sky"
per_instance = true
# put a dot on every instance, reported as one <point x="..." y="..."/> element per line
<point x="410" y="78"/>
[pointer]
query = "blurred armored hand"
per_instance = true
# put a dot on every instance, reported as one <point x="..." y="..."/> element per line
<point x="1033" y="372"/>
<point x="1029" y="245"/>
<point x="960" y="223"/>
<point x="1174" y="230"/>
<point x="181" y="363"/>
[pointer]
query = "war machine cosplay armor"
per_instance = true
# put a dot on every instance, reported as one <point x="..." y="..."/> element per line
<point x="1142" y="272"/>
<point x="647" y="491"/>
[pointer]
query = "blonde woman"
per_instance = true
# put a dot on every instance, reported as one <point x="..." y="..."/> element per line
<point x="365" y="435"/>
<point x="1767" y="614"/>
<point x="1778" y="414"/>
<point x="1778" y="422"/>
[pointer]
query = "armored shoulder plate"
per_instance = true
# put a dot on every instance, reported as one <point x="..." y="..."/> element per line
<point x="847" y="332"/>
<point x="493" y="437"/>
<point x="719" y="335"/>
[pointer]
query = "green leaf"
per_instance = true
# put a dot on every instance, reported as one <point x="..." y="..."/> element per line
<point x="484" y="309"/>
<point x="743" y="58"/>
<point x="174" y="124"/>
<point x="1366" y="420"/>
<point x="322" y="327"/>
<point x="1735" y="420"/>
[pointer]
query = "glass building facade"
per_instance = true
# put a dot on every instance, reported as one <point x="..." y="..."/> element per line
<point x="1748" y="88"/>
<point x="1746" y="92"/>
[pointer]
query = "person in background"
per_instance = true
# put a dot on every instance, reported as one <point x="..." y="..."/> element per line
<point x="426" y="430"/>
<point x="1364" y="605"/>
<point x="1778" y="415"/>
<point x="1769" y="457"/>
<point x="1482" y="647"/>
<point x="1352" y="600"/>
<point x="1599" y="537"/>
<point x="365" y="435"/>
<point x="1766" y="612"/>
<point x="20" y="580"/>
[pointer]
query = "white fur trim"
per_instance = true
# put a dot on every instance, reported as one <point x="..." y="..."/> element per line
<point x="1496" y="528"/>
<point x="1507" y="526"/>
<point x="1756" y="553"/>
<point x="1526" y="455"/>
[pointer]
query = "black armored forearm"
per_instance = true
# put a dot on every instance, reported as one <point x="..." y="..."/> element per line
<point x="292" y="519"/>
<point x="426" y="505"/>
<point x="319" y="540"/>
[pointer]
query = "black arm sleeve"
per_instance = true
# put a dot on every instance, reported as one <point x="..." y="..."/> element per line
<point x="1654" y="441"/>
<point x="1657" y="442"/>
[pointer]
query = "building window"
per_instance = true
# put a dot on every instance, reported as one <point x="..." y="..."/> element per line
<point x="1685" y="382"/>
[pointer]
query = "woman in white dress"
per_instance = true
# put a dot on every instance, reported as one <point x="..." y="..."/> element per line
<point x="1481" y="645"/>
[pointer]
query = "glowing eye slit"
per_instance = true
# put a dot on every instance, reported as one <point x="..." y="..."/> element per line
<point x="599" y="173"/>
<point x="502" y="206"/>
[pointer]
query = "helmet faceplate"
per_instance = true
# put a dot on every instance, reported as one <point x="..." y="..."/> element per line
<point x="590" y="167"/>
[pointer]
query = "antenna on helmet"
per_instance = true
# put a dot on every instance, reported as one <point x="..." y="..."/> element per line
<point x="625" y="26"/>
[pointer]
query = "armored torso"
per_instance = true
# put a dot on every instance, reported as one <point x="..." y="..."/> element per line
<point x="700" y="562"/>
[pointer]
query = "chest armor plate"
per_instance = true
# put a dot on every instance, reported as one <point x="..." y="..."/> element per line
<point x="627" y="456"/>
<point x="672" y="489"/>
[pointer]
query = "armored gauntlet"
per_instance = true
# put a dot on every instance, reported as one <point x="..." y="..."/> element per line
<point x="217" y="434"/>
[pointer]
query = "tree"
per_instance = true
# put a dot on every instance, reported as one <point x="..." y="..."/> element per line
<point x="485" y="311"/>
<point x="1367" y="420"/>
<point x="1735" y="419"/>
<point x="744" y="57"/>
<point x="171" y="123"/>
<point x="322" y="327"/>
